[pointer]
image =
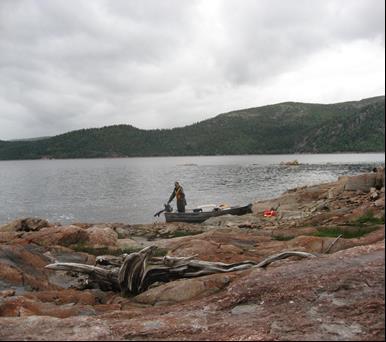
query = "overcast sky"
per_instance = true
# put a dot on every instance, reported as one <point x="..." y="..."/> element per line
<point x="66" y="65"/>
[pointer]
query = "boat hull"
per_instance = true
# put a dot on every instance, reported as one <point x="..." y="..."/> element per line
<point x="198" y="217"/>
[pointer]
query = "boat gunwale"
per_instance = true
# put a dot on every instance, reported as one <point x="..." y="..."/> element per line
<point x="201" y="216"/>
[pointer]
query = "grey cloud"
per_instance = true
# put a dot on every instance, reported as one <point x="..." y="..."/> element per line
<point x="264" y="41"/>
<point x="68" y="65"/>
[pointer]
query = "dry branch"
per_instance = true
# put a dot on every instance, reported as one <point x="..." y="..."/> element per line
<point x="283" y="255"/>
<point x="332" y="244"/>
<point x="136" y="272"/>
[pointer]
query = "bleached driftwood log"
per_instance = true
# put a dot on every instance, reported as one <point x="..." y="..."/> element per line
<point x="136" y="272"/>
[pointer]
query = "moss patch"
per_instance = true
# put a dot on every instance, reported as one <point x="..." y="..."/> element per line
<point x="81" y="247"/>
<point x="121" y="235"/>
<point x="369" y="219"/>
<point x="181" y="233"/>
<point x="160" y="252"/>
<point x="282" y="237"/>
<point x="352" y="232"/>
<point x="106" y="251"/>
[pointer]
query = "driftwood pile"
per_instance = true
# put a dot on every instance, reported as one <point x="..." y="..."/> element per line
<point x="136" y="272"/>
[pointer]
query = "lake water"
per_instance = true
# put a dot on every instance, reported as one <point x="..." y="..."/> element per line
<point x="131" y="190"/>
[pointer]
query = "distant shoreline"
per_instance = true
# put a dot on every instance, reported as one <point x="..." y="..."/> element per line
<point x="196" y="156"/>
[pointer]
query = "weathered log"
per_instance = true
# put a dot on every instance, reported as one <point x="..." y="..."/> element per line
<point x="284" y="255"/>
<point x="132" y="272"/>
<point x="139" y="271"/>
<point x="105" y="278"/>
<point x="110" y="260"/>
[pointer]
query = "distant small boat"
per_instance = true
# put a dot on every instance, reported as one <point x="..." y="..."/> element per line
<point x="291" y="162"/>
<point x="199" y="215"/>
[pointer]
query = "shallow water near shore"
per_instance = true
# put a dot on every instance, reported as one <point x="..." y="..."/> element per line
<point x="131" y="190"/>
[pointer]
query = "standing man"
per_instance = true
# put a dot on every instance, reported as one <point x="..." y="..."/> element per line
<point x="178" y="192"/>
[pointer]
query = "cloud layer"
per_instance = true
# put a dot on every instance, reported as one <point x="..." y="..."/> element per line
<point x="159" y="64"/>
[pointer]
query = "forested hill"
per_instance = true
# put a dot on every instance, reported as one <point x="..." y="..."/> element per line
<point x="289" y="127"/>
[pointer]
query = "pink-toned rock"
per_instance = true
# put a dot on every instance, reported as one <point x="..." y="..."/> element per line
<point x="72" y="235"/>
<point x="22" y="306"/>
<point x="311" y="244"/>
<point x="25" y="225"/>
<point x="380" y="203"/>
<point x="217" y="245"/>
<point x="23" y="266"/>
<point x="7" y="293"/>
<point x="101" y="309"/>
<point x="184" y="289"/>
<point x="51" y="328"/>
<point x="10" y="274"/>
<point x="331" y="297"/>
<point x="315" y="244"/>
<point x="64" y="296"/>
<point x="101" y="237"/>
<point x="64" y="236"/>
<point x="8" y="236"/>
<point x="362" y="210"/>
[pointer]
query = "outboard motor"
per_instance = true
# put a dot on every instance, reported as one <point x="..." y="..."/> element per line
<point x="168" y="208"/>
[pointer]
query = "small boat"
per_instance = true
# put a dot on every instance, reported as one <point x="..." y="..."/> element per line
<point x="290" y="163"/>
<point x="198" y="215"/>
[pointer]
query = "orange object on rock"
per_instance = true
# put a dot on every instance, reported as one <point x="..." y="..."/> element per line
<point x="269" y="213"/>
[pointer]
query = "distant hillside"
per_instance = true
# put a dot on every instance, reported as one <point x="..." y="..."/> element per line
<point x="289" y="127"/>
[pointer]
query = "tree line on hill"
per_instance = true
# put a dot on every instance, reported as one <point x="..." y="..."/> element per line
<point x="290" y="127"/>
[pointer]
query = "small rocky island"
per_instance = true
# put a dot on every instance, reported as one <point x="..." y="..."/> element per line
<point x="314" y="271"/>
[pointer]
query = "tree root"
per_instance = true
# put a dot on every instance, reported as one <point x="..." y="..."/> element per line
<point x="136" y="272"/>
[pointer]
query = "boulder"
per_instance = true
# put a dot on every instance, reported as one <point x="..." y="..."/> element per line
<point x="7" y="293"/>
<point x="74" y="236"/>
<point x="63" y="236"/>
<point x="98" y="237"/>
<point x="363" y="182"/>
<point x="380" y="203"/>
<point x="310" y="244"/>
<point x="184" y="289"/>
<point x="25" y="225"/>
<point x="23" y="267"/>
<point x="374" y="194"/>
<point x="8" y="236"/>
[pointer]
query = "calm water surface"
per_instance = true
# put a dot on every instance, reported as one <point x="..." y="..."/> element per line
<point x="131" y="190"/>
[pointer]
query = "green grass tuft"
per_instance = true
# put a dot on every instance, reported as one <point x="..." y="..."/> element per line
<point x="160" y="252"/>
<point x="346" y="233"/>
<point x="369" y="218"/>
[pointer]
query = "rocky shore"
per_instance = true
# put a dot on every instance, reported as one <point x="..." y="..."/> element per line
<point x="338" y="295"/>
